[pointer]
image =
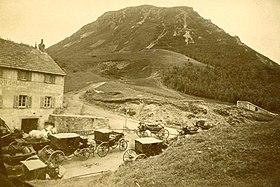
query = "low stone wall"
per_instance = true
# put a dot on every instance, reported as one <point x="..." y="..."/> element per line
<point x="78" y="123"/>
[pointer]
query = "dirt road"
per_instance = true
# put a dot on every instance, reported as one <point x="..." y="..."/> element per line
<point x="74" y="166"/>
<point x="77" y="106"/>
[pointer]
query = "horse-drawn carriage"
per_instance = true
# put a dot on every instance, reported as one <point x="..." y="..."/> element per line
<point x="198" y="125"/>
<point x="106" y="139"/>
<point x="12" y="155"/>
<point x="19" y="143"/>
<point x="19" y="154"/>
<point x="64" y="145"/>
<point x="144" y="147"/>
<point x="154" y="128"/>
<point x="7" y="135"/>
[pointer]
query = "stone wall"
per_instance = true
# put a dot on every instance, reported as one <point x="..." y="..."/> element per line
<point x="250" y="106"/>
<point x="77" y="123"/>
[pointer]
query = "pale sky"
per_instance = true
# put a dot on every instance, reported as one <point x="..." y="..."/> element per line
<point x="256" y="22"/>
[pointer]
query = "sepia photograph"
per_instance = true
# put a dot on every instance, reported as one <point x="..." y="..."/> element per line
<point x="143" y="93"/>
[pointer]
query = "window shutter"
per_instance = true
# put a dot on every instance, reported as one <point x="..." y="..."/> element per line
<point x="29" y="102"/>
<point x="53" y="102"/>
<point x="42" y="102"/>
<point x="29" y="74"/>
<point x="53" y="79"/>
<point x="19" y="75"/>
<point x="1" y="101"/>
<point x="16" y="101"/>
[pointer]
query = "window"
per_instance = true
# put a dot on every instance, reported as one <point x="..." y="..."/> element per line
<point x="22" y="101"/>
<point x="49" y="78"/>
<point x="47" y="102"/>
<point x="24" y="75"/>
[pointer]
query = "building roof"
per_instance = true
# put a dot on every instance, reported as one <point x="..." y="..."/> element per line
<point x="24" y="57"/>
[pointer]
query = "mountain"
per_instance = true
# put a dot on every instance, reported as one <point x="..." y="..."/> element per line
<point x="137" y="42"/>
<point x="178" y="29"/>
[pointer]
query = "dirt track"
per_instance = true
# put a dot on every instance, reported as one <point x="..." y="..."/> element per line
<point x="95" y="164"/>
<point x="77" y="106"/>
<point x="74" y="166"/>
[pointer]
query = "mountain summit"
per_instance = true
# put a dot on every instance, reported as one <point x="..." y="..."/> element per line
<point x="178" y="29"/>
<point x="153" y="38"/>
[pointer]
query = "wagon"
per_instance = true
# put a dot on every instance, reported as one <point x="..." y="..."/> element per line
<point x="64" y="145"/>
<point x="106" y="139"/>
<point x="19" y="154"/>
<point x="33" y="168"/>
<point x="7" y="135"/>
<point x="37" y="144"/>
<point x="144" y="147"/>
<point x="156" y="129"/>
<point x="29" y="169"/>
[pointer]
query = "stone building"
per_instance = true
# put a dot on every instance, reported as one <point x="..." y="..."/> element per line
<point x="31" y="86"/>
<point x="250" y="106"/>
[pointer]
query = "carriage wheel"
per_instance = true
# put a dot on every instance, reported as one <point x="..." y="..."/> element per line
<point x="129" y="156"/>
<point x="92" y="146"/>
<point x="141" y="133"/>
<point x="14" y="147"/>
<point x="84" y="153"/>
<point x="115" y="145"/>
<point x="138" y="132"/>
<point x="122" y="144"/>
<point x="163" y="134"/>
<point x="56" y="158"/>
<point x="103" y="149"/>
<point x="45" y="152"/>
<point x="141" y="156"/>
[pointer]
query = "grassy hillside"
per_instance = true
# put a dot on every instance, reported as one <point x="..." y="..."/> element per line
<point x="82" y="70"/>
<point x="243" y="154"/>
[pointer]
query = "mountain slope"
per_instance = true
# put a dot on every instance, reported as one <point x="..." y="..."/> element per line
<point x="178" y="29"/>
<point x="122" y="44"/>
<point x="84" y="69"/>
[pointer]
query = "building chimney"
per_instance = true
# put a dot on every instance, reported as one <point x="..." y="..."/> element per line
<point x="42" y="46"/>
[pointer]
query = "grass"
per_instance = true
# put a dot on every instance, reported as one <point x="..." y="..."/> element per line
<point x="116" y="95"/>
<point x="137" y="88"/>
<point x="81" y="79"/>
<point x="132" y="66"/>
<point x="239" y="155"/>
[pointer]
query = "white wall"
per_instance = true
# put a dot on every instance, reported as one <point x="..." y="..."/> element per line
<point x="10" y="86"/>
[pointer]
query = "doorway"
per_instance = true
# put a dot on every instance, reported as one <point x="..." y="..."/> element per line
<point x="29" y="124"/>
